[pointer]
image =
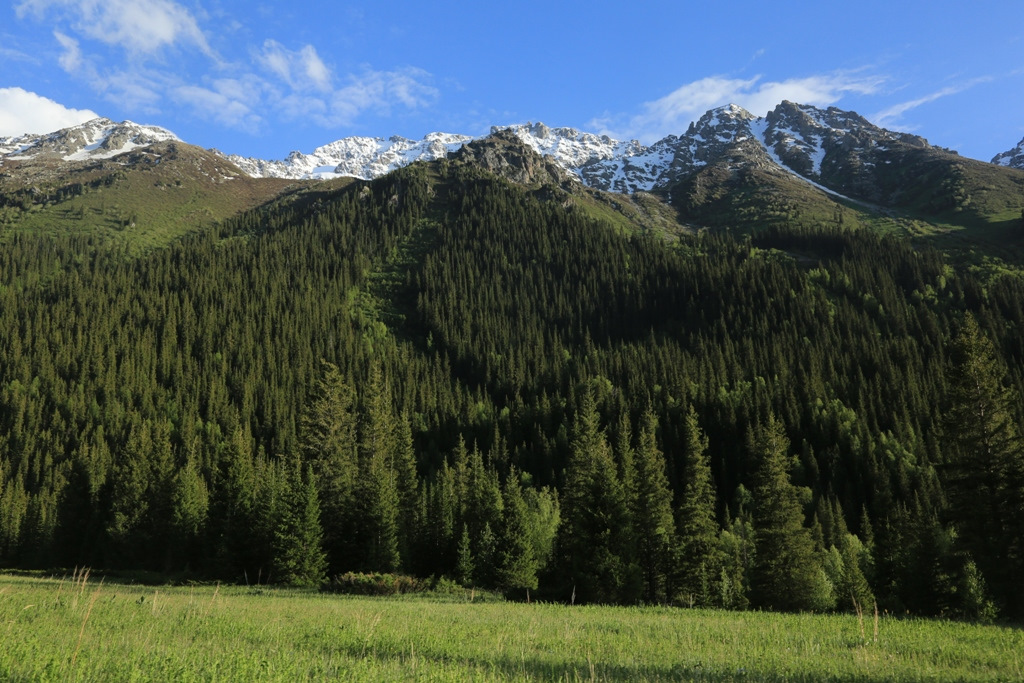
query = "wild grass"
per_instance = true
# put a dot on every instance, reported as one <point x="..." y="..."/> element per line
<point x="78" y="629"/>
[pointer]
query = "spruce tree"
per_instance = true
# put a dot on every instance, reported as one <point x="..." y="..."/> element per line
<point x="594" y="541"/>
<point x="464" y="565"/>
<point x="190" y="501"/>
<point x="407" y="488"/>
<point x="129" y="504"/>
<point x="787" y="571"/>
<point x="516" y="562"/>
<point x="654" y="529"/>
<point x="299" y="558"/>
<point x="984" y="469"/>
<point x="379" y="523"/>
<point x="700" y="561"/>
<point x="329" y="442"/>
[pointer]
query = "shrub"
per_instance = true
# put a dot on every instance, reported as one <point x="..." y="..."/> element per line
<point x="353" y="583"/>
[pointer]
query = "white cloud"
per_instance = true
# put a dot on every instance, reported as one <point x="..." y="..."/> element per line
<point x="275" y="81"/>
<point x="22" y="111"/>
<point x="316" y="71"/>
<point x="379" y="91"/>
<point x="371" y="90"/>
<point x="217" y="106"/>
<point x="71" y="60"/>
<point x="139" y="26"/>
<point x="672" y="113"/>
<point x="890" y="117"/>
<point x="301" y="70"/>
<point x="136" y="90"/>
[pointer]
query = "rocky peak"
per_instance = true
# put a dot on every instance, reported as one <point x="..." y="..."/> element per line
<point x="98" y="138"/>
<point x="359" y="157"/>
<point x="1014" y="158"/>
<point x="505" y="154"/>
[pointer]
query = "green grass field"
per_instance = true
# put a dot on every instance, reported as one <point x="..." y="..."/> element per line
<point x="69" y="630"/>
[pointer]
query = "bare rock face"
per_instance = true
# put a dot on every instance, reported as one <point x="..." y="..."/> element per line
<point x="505" y="154"/>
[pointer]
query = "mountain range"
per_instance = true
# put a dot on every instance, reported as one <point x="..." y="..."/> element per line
<point x="798" y="163"/>
<point x="808" y="141"/>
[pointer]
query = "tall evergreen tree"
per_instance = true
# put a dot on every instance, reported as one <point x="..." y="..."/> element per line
<point x="700" y="563"/>
<point x="129" y="505"/>
<point x="787" y="572"/>
<point x="594" y="541"/>
<point x="517" y="564"/>
<point x="379" y="486"/>
<point x="329" y="441"/>
<point x="407" y="489"/>
<point x="984" y="470"/>
<point x="299" y="558"/>
<point x="654" y="529"/>
<point x="190" y="502"/>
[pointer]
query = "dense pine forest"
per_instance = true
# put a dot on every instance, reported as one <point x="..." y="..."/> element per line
<point x="442" y="374"/>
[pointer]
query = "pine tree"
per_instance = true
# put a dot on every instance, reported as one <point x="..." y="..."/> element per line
<point x="595" y="517"/>
<point x="407" y="485"/>
<point x="379" y="482"/>
<point x="129" y="505"/>
<point x="654" y="529"/>
<point x="787" y="572"/>
<point x="233" y="513"/>
<point x="464" y="565"/>
<point x="516" y="562"/>
<point x="329" y="442"/>
<point x="700" y="561"/>
<point x="190" y="501"/>
<point x="299" y="558"/>
<point x="984" y="470"/>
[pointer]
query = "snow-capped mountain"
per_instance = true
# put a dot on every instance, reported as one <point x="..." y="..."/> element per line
<point x="1013" y="158"/>
<point x="96" y="139"/>
<point x="360" y="157"/>
<point x="834" y="150"/>
<point x="818" y="145"/>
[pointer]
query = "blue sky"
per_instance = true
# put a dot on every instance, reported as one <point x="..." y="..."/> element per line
<point x="264" y="78"/>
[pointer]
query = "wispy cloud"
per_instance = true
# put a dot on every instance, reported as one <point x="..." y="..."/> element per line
<point x="71" y="60"/>
<point x="22" y="111"/>
<point x="272" y="80"/>
<point x="891" y="116"/>
<point x="379" y="91"/>
<point x="226" y="108"/>
<point x="139" y="26"/>
<point x="300" y="69"/>
<point x="673" y="112"/>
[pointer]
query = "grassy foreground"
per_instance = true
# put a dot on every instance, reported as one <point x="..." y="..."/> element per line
<point x="87" y="631"/>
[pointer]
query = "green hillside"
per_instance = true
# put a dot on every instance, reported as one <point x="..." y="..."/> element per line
<point x="446" y="373"/>
<point x="142" y="200"/>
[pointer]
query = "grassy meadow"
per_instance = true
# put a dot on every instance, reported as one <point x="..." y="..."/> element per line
<point x="75" y="630"/>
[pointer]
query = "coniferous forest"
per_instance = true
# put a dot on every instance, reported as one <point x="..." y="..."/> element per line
<point x="440" y="373"/>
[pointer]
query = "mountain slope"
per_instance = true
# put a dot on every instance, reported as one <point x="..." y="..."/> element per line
<point x="123" y="183"/>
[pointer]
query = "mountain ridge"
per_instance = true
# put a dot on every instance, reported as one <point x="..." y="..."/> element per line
<point x="797" y="137"/>
<point x="1012" y="158"/>
<point x="729" y="169"/>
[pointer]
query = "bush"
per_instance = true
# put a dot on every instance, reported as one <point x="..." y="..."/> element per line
<point x="353" y="583"/>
